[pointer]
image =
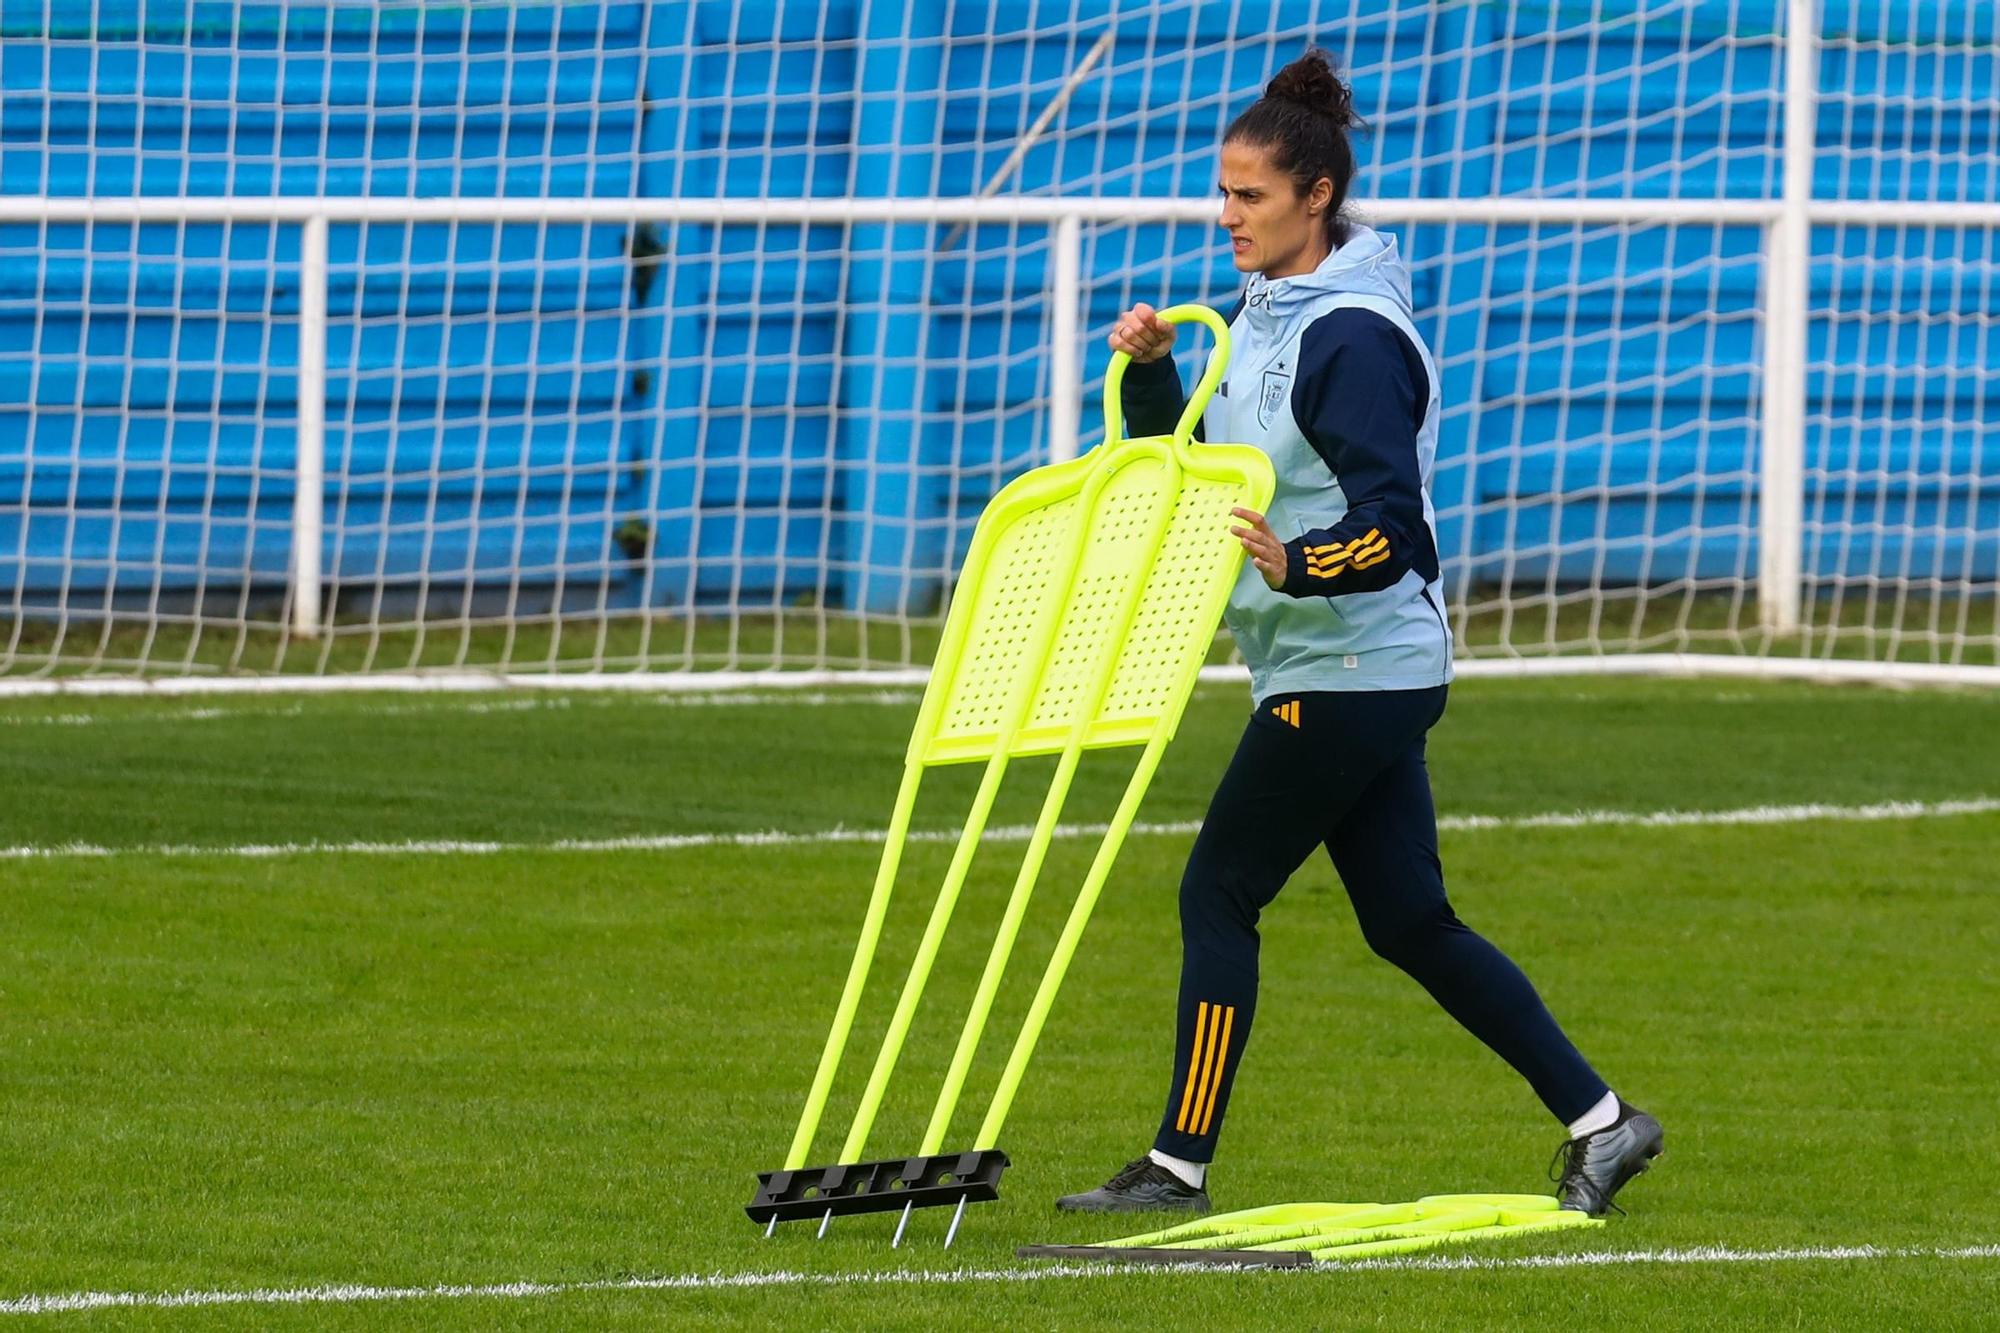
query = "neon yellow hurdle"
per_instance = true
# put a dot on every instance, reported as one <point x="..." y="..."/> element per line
<point x="1088" y="602"/>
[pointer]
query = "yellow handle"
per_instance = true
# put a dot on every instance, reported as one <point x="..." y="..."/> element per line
<point x="1211" y="376"/>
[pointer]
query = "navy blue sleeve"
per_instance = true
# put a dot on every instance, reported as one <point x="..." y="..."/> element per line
<point x="1151" y="396"/>
<point x="1360" y="396"/>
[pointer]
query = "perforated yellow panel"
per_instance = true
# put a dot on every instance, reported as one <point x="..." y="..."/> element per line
<point x="1176" y="624"/>
<point x="1013" y="592"/>
<point x="1149" y="518"/>
<point x="1124" y="527"/>
<point x="1092" y="588"/>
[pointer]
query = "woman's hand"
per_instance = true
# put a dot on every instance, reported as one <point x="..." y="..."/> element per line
<point x="1142" y="335"/>
<point x="1261" y="545"/>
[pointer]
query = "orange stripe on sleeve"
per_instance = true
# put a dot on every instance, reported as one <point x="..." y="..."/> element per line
<point x="1374" y="555"/>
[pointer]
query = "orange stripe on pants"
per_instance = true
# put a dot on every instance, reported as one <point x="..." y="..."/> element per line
<point x="1208" y="1063"/>
<point x="1194" y="1060"/>
<point x="1215" y="1075"/>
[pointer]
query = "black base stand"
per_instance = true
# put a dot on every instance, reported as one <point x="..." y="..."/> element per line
<point x="877" y="1187"/>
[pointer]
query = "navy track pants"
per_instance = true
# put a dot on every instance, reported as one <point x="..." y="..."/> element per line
<point x="1344" y="771"/>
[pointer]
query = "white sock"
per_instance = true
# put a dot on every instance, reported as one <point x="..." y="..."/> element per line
<point x="1601" y="1116"/>
<point x="1191" y="1173"/>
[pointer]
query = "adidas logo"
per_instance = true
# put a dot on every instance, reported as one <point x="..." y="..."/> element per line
<point x="1288" y="712"/>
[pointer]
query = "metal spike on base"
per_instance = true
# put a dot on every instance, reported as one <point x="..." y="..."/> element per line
<point x="1297" y="1235"/>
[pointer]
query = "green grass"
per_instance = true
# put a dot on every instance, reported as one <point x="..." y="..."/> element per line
<point x="224" y="1073"/>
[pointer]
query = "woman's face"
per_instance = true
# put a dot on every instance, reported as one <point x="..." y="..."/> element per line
<point x="1273" y="229"/>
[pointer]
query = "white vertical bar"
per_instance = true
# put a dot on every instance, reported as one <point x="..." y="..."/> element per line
<point x="1787" y="294"/>
<point x="309" y="488"/>
<point x="1065" y="351"/>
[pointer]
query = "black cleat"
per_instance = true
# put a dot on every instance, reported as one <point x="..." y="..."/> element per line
<point x="1596" y="1166"/>
<point x="1143" y="1186"/>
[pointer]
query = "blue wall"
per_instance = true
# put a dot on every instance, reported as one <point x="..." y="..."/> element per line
<point x="571" y="415"/>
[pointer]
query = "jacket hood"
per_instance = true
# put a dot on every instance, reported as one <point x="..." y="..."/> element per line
<point x="1369" y="264"/>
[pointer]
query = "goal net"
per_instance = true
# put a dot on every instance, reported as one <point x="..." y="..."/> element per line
<point x="654" y="341"/>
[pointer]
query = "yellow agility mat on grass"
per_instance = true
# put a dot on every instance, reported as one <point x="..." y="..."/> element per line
<point x="1294" y="1235"/>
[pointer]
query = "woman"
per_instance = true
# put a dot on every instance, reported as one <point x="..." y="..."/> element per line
<point x="1338" y="613"/>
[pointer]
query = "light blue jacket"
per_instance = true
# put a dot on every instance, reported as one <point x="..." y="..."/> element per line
<point x="1329" y="376"/>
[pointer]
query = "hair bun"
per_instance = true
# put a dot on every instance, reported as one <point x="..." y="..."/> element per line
<point x="1310" y="82"/>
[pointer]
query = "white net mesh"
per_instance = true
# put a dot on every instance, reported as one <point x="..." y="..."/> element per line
<point x="1902" y="476"/>
<point x="672" y="442"/>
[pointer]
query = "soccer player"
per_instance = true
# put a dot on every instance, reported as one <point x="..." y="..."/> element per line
<point x="1339" y="614"/>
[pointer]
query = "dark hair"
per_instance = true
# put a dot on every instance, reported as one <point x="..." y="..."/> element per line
<point x="1302" y="120"/>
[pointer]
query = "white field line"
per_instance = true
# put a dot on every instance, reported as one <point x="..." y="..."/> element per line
<point x="901" y="684"/>
<point x="448" y="682"/>
<point x="750" y="690"/>
<point x="438" y="705"/>
<point x="433" y="705"/>
<point x="671" y="842"/>
<point x="1627" y="664"/>
<point x="348" y="1294"/>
